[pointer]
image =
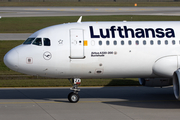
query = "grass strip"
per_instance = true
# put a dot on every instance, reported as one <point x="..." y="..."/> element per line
<point x="32" y="24"/>
<point x="88" y="3"/>
<point x="30" y="81"/>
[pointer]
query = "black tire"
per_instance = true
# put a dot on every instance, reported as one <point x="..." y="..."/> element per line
<point x="69" y="96"/>
<point x="73" y="97"/>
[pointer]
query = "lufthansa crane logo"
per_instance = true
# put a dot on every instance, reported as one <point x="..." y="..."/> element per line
<point x="47" y="55"/>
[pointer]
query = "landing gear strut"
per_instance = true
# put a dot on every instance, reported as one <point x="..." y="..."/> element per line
<point x="73" y="97"/>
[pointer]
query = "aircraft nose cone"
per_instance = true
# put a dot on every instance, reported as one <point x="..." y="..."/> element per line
<point x="11" y="60"/>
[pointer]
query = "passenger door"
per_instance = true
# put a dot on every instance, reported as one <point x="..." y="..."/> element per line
<point x="77" y="44"/>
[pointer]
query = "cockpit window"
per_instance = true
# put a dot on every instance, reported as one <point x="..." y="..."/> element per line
<point x="47" y="42"/>
<point x="37" y="41"/>
<point x="29" y="41"/>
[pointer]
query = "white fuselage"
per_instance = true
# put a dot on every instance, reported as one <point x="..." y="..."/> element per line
<point x="101" y="50"/>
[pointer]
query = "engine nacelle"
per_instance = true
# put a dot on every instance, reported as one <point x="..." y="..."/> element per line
<point x="166" y="66"/>
<point x="176" y="83"/>
<point x="155" y="82"/>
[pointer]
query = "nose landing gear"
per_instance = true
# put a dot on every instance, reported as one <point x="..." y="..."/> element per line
<point x="73" y="97"/>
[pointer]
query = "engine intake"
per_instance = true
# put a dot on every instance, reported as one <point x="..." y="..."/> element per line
<point x="176" y="83"/>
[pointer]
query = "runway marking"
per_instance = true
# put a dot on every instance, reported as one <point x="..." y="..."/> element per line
<point x="139" y="101"/>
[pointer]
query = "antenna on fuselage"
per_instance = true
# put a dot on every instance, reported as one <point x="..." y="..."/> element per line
<point x="79" y="20"/>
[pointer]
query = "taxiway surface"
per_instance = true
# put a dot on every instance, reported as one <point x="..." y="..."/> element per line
<point x="79" y="11"/>
<point x="96" y="103"/>
<point x="86" y="11"/>
<point x="14" y="36"/>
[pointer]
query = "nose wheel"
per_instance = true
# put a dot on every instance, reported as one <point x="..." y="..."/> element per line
<point x="73" y="97"/>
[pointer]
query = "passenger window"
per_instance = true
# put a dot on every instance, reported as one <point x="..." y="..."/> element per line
<point x="115" y="42"/>
<point x="129" y="42"/>
<point x="29" y="41"/>
<point x="38" y="42"/>
<point x="122" y="42"/>
<point x="159" y="42"/>
<point x="92" y="42"/>
<point x="46" y="42"/>
<point x="100" y="42"/>
<point x="151" y="42"/>
<point x="144" y="42"/>
<point x="173" y="42"/>
<point x="166" y="42"/>
<point x="107" y="42"/>
<point x="137" y="42"/>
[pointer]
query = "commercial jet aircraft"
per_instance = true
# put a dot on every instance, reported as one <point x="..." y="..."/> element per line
<point x="148" y="50"/>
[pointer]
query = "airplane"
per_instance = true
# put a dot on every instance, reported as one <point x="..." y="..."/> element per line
<point x="147" y="50"/>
